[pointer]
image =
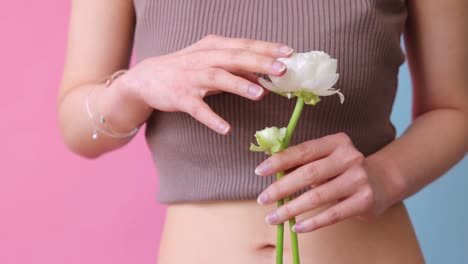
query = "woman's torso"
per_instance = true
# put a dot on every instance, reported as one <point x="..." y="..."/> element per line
<point x="207" y="179"/>
<point x="195" y="163"/>
<point x="236" y="232"/>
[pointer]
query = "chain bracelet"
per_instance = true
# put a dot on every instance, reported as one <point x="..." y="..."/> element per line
<point x="101" y="120"/>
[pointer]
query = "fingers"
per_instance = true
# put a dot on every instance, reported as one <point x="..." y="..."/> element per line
<point x="272" y="49"/>
<point x="219" y="79"/>
<point x="299" y="154"/>
<point x="248" y="75"/>
<point x="331" y="191"/>
<point x="353" y="206"/>
<point x="251" y="77"/>
<point x="202" y="112"/>
<point x="307" y="175"/>
<point x="235" y="60"/>
<point x="257" y="46"/>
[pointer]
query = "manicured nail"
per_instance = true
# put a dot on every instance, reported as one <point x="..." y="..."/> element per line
<point x="263" y="199"/>
<point x="262" y="169"/>
<point x="222" y="128"/>
<point x="255" y="90"/>
<point x="278" y="66"/>
<point x="272" y="218"/>
<point x="286" y="50"/>
<point x="298" y="227"/>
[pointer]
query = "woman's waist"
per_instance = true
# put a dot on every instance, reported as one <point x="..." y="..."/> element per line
<point x="248" y="218"/>
<point x="216" y="217"/>
<point x="239" y="227"/>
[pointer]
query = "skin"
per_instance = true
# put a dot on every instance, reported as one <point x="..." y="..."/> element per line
<point x="356" y="204"/>
<point x="368" y="186"/>
<point x="212" y="65"/>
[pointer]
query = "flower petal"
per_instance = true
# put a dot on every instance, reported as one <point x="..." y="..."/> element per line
<point x="327" y="67"/>
<point x="254" y="147"/>
<point x="269" y="140"/>
<point x="308" y="76"/>
<point x="268" y="85"/>
<point x="327" y="92"/>
<point x="341" y="97"/>
<point x="327" y="81"/>
<point x="272" y="87"/>
<point x="320" y="84"/>
<point x="330" y="92"/>
<point x="309" y="85"/>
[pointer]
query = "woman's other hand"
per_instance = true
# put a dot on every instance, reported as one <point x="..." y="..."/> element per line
<point x="179" y="81"/>
<point x="336" y="170"/>
<point x="174" y="82"/>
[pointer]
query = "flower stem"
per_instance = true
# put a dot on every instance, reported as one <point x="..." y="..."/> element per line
<point x="294" y="241"/>
<point x="292" y="122"/>
<point x="279" y="229"/>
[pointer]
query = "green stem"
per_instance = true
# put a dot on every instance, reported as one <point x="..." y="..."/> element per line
<point x="292" y="122"/>
<point x="294" y="241"/>
<point x="279" y="229"/>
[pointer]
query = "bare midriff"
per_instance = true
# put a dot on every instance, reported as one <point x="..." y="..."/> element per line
<point x="236" y="232"/>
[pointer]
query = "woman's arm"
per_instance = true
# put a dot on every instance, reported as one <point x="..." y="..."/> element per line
<point x="436" y="41"/>
<point x="437" y="47"/>
<point x="99" y="43"/>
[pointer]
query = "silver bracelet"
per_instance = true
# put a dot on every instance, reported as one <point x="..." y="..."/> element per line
<point x="101" y="121"/>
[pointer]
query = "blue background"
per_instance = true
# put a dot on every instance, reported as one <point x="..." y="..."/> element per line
<point x="439" y="211"/>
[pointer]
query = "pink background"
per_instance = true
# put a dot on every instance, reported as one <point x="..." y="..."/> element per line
<point x="56" y="207"/>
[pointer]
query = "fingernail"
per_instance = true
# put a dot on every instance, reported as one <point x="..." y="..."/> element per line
<point x="298" y="227"/>
<point x="262" y="168"/>
<point x="286" y="50"/>
<point x="222" y="128"/>
<point x="255" y="90"/>
<point x="272" y="218"/>
<point x="263" y="199"/>
<point x="278" y="66"/>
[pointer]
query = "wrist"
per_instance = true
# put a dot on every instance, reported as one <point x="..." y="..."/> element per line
<point x="123" y="110"/>
<point x="386" y="179"/>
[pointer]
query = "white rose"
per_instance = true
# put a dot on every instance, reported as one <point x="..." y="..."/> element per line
<point x="308" y="75"/>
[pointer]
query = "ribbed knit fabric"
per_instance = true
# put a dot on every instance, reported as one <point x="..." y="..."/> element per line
<point x="195" y="163"/>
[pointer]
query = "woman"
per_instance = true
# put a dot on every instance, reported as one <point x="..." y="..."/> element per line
<point x="195" y="86"/>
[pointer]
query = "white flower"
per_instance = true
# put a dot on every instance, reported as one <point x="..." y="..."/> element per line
<point x="269" y="140"/>
<point x="308" y="75"/>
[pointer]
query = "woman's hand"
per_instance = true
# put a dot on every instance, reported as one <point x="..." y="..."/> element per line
<point x="336" y="170"/>
<point x="179" y="81"/>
